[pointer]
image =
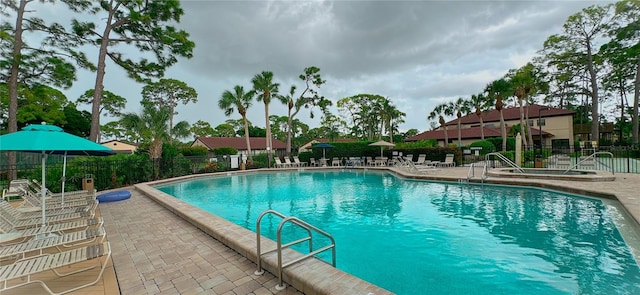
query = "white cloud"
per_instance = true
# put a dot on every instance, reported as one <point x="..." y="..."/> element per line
<point x="417" y="53"/>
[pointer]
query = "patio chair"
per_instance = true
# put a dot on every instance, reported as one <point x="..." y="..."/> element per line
<point x="381" y="161"/>
<point x="409" y="157"/>
<point x="587" y="162"/>
<point x="335" y="162"/>
<point x="31" y="212"/>
<point x="278" y="163"/>
<point x="59" y="242"/>
<point x="20" y="221"/>
<point x="421" y="159"/>
<point x="296" y="161"/>
<point x="312" y="162"/>
<point x="9" y="234"/>
<point x="448" y="161"/>
<point x="32" y="200"/>
<point x="20" y="273"/>
<point x="36" y="187"/>
<point x="411" y="167"/>
<point x="563" y="162"/>
<point x="370" y="161"/>
<point x="288" y="163"/>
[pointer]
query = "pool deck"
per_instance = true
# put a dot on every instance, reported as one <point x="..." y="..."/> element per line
<point x="162" y="246"/>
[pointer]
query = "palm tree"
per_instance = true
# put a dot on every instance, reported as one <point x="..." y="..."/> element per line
<point x="152" y="124"/>
<point x="265" y="89"/>
<point x="497" y="89"/>
<point x="459" y="107"/>
<point x="440" y="110"/>
<point x="241" y="101"/>
<point x="390" y="118"/>
<point x="479" y="103"/>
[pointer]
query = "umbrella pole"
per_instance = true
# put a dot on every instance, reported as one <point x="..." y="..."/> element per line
<point x="43" y="190"/>
<point x="64" y="174"/>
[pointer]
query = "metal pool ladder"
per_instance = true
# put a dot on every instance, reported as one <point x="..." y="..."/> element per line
<point x="304" y="225"/>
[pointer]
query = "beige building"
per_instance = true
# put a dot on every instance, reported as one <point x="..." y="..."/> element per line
<point x="120" y="147"/>
<point x="258" y="144"/>
<point x="555" y="127"/>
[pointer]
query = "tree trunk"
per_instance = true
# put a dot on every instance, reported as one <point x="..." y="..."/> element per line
<point x="268" y="127"/>
<point x="289" y="123"/>
<point x="390" y="131"/>
<point x="13" y="86"/>
<point x="99" y="86"/>
<point x="503" y="132"/>
<point x="528" y="128"/>
<point x="523" y="134"/>
<point x="459" y="134"/>
<point x="636" y="98"/>
<point x="246" y="136"/>
<point x="481" y="128"/>
<point x="155" y="153"/>
<point x="595" y="117"/>
<point x="446" y="136"/>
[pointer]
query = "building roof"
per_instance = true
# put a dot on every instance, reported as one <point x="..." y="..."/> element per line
<point x="465" y="133"/>
<point x="327" y="140"/>
<point x="240" y="143"/>
<point x="512" y="113"/>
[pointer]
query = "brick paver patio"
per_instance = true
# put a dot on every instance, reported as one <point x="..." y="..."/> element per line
<point x="157" y="252"/>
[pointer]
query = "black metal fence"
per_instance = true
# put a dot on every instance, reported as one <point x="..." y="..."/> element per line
<point x="107" y="172"/>
<point x="620" y="159"/>
<point x="124" y="170"/>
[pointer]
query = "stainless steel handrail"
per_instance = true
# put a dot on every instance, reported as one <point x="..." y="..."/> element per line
<point x="304" y="225"/>
<point x="472" y="172"/>
<point x="593" y="156"/>
<point x="505" y="159"/>
<point x="484" y="172"/>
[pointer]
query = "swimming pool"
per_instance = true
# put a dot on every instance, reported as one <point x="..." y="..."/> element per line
<point x="423" y="237"/>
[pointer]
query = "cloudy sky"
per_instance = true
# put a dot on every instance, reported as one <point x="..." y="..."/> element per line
<point x="416" y="53"/>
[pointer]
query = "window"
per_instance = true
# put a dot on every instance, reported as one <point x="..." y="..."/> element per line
<point x="541" y="122"/>
<point x="530" y="123"/>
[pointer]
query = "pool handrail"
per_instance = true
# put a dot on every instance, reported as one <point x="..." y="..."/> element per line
<point x="472" y="171"/>
<point x="592" y="157"/>
<point x="505" y="159"/>
<point x="304" y="225"/>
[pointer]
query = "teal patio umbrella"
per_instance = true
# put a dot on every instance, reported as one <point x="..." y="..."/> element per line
<point x="323" y="146"/>
<point x="48" y="140"/>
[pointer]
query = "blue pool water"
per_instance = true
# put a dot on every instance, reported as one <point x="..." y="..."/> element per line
<point x="417" y="237"/>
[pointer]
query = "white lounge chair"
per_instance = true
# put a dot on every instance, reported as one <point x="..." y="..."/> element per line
<point x="411" y="167"/>
<point x="278" y="163"/>
<point x="21" y="220"/>
<point x="370" y="161"/>
<point x="59" y="242"/>
<point x="335" y="162"/>
<point x="32" y="200"/>
<point x="9" y="234"/>
<point x="448" y="161"/>
<point x="288" y="163"/>
<point x="35" y="187"/>
<point x="297" y="161"/>
<point x="20" y="273"/>
<point x="421" y="159"/>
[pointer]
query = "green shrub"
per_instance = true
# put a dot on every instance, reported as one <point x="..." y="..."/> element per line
<point x="497" y="143"/>
<point x="487" y="146"/>
<point x="194" y="151"/>
<point x="418" y="144"/>
<point x="225" y="151"/>
<point x="259" y="161"/>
